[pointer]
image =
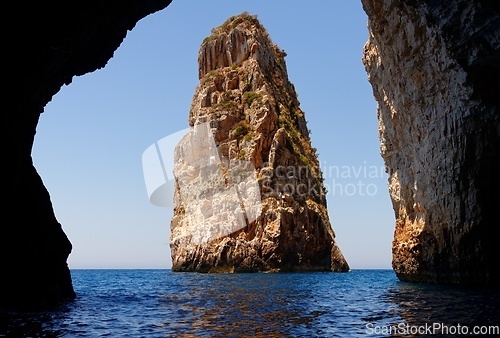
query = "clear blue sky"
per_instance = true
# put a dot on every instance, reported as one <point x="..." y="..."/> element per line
<point x="91" y="137"/>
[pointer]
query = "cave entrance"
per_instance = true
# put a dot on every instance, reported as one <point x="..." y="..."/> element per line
<point x="91" y="136"/>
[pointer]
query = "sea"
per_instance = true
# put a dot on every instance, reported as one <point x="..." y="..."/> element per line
<point x="162" y="303"/>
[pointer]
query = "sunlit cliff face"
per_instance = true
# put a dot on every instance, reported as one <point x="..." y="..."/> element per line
<point x="245" y="210"/>
<point x="438" y="128"/>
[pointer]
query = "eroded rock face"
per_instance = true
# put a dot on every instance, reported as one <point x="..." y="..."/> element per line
<point x="46" y="45"/>
<point x="435" y="71"/>
<point x="250" y="196"/>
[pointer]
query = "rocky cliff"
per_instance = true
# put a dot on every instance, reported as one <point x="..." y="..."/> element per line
<point x="46" y="44"/>
<point x="435" y="71"/>
<point x="249" y="190"/>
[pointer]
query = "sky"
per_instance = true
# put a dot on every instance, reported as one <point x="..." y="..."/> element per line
<point x="91" y="136"/>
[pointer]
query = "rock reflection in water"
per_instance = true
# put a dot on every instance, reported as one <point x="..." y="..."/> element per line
<point x="235" y="306"/>
<point x="418" y="305"/>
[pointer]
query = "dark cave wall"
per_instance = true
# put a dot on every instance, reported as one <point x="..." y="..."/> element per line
<point x="47" y="44"/>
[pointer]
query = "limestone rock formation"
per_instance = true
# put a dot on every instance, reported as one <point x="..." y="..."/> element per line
<point x="46" y="44"/>
<point x="435" y="71"/>
<point x="249" y="190"/>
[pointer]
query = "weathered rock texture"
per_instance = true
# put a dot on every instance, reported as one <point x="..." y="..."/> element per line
<point x="46" y="44"/>
<point x="435" y="71"/>
<point x="253" y="111"/>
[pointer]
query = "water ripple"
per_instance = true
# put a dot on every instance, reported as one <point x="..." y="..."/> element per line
<point x="160" y="303"/>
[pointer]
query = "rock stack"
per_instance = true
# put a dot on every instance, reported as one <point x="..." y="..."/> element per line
<point x="249" y="190"/>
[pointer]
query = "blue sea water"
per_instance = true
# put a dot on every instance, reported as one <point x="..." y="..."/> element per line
<point x="162" y="303"/>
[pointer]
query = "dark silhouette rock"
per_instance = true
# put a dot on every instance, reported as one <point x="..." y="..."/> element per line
<point x="46" y="44"/>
